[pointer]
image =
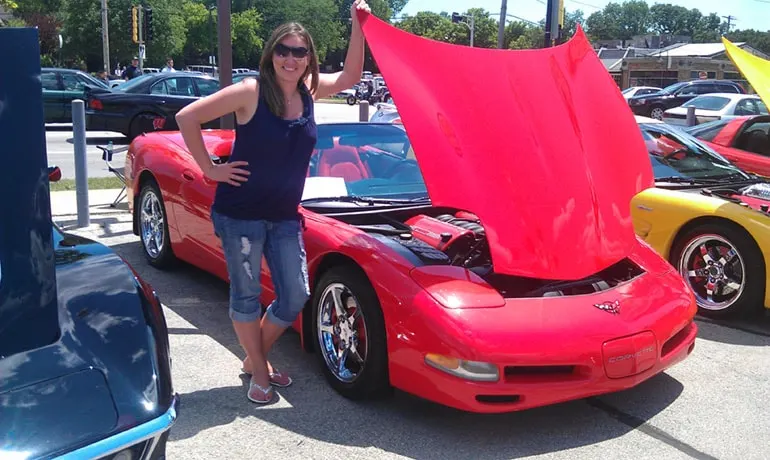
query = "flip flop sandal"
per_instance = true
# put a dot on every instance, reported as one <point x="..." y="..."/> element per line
<point x="276" y="378"/>
<point x="259" y="394"/>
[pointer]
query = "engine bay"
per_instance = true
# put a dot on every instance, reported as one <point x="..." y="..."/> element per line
<point x="442" y="236"/>
<point x="755" y="196"/>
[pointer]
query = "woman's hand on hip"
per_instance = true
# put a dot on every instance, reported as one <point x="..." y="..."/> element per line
<point x="228" y="172"/>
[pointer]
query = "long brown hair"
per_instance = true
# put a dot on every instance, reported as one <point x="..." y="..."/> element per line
<point x="268" y="84"/>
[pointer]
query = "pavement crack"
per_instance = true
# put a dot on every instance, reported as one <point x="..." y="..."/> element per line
<point x="648" y="429"/>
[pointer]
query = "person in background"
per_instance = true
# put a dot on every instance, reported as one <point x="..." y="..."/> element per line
<point x="259" y="189"/>
<point x="133" y="70"/>
<point x="103" y="76"/>
<point x="169" y="66"/>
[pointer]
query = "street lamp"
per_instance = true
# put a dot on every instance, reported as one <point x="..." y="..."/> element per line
<point x="458" y="18"/>
<point x="212" y="34"/>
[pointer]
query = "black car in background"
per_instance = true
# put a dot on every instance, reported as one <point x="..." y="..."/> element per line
<point x="653" y="105"/>
<point x="148" y="103"/>
<point x="61" y="87"/>
<point x="85" y="370"/>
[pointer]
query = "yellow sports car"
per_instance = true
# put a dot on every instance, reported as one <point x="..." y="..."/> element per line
<point x="709" y="219"/>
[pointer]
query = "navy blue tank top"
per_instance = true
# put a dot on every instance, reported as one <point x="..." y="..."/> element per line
<point x="278" y="152"/>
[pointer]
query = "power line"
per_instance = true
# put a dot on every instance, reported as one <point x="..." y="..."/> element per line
<point x="585" y="4"/>
<point x="729" y="21"/>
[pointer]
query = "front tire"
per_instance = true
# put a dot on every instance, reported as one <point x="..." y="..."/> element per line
<point x="153" y="226"/>
<point x="723" y="267"/>
<point x="349" y="330"/>
<point x="657" y="113"/>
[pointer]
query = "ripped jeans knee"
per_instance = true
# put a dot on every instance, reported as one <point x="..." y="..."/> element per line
<point x="245" y="243"/>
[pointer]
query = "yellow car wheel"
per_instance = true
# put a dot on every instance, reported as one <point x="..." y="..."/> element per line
<point x="723" y="266"/>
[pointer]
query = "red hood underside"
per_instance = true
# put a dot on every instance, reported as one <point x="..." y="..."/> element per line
<point x="540" y="144"/>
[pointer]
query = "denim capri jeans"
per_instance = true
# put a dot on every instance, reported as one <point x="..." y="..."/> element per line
<point x="244" y="243"/>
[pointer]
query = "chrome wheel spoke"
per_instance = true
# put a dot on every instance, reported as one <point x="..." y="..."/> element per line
<point x="714" y="270"/>
<point x="337" y="299"/>
<point x="342" y="356"/>
<point x="339" y="320"/>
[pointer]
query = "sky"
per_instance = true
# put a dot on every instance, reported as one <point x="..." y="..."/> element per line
<point x="749" y="14"/>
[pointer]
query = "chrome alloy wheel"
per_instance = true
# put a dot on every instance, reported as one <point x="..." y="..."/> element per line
<point x="152" y="223"/>
<point x="714" y="270"/>
<point x="342" y="332"/>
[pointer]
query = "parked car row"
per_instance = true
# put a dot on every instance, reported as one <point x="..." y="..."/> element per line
<point x="655" y="104"/>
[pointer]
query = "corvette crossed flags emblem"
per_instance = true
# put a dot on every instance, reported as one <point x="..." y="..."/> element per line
<point x="609" y="307"/>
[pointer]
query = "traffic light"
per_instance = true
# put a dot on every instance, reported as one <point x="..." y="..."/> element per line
<point x="135" y="24"/>
<point x="456" y="17"/>
<point x="147" y="24"/>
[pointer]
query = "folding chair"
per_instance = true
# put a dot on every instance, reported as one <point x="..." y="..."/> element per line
<point x="107" y="153"/>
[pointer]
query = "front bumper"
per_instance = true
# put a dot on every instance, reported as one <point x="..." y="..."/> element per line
<point x="150" y="431"/>
<point x="528" y="383"/>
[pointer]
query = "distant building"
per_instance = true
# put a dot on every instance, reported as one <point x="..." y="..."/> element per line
<point x="662" y="66"/>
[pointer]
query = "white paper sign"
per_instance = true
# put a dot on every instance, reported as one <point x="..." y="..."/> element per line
<point x="322" y="187"/>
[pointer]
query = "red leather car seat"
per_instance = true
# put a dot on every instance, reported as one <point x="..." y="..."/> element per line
<point x="341" y="161"/>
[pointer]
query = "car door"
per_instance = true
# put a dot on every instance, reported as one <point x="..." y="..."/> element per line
<point x="751" y="148"/>
<point x="690" y="91"/>
<point x="197" y="195"/>
<point x="53" y="91"/>
<point x="169" y="96"/>
<point x="74" y="88"/>
<point x="206" y="87"/>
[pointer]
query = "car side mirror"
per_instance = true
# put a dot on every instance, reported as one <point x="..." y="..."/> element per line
<point x="54" y="174"/>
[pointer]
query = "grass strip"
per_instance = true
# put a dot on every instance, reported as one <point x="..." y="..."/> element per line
<point x="94" y="183"/>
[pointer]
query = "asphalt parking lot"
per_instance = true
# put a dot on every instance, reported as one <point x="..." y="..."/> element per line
<point x="713" y="405"/>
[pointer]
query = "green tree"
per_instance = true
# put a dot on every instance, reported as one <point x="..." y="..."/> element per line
<point x="247" y="40"/>
<point x="532" y="38"/>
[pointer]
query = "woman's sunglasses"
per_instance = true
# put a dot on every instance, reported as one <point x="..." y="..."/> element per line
<point x="283" y="51"/>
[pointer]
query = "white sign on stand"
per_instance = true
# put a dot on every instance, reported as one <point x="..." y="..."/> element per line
<point x="142" y="54"/>
<point x="324" y="187"/>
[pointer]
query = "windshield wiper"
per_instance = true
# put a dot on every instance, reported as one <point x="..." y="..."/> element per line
<point x="737" y="175"/>
<point x="686" y="180"/>
<point x="355" y="199"/>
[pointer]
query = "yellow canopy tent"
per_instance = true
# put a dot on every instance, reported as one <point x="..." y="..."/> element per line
<point x="755" y="69"/>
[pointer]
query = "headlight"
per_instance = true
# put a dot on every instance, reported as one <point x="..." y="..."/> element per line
<point x="469" y="370"/>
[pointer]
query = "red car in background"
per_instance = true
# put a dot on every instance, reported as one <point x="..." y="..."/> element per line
<point x="745" y="141"/>
<point x="474" y="260"/>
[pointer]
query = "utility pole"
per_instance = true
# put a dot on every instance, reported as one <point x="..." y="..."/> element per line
<point x="501" y="25"/>
<point x="105" y="38"/>
<point x="225" y="55"/>
<point x="729" y="21"/>
<point x="554" y="20"/>
<point x="141" y="37"/>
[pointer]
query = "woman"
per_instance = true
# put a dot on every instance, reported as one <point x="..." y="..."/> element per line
<point x="255" y="208"/>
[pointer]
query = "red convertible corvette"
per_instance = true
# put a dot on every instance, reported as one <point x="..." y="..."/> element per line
<point x="471" y="260"/>
<point x="745" y="141"/>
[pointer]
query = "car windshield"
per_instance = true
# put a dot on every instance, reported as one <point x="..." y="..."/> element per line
<point x="708" y="103"/>
<point x="363" y="160"/>
<point x="708" y="131"/>
<point x="676" y="154"/>
<point x="672" y="88"/>
<point x="133" y="83"/>
<point x="94" y="80"/>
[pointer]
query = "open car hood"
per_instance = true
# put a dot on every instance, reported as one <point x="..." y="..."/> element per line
<point x="754" y="68"/>
<point x="539" y="144"/>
